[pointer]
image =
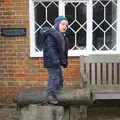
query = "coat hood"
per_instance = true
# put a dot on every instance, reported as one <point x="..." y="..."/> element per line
<point x="45" y="31"/>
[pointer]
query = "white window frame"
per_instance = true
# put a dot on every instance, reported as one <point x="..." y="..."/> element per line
<point x="89" y="13"/>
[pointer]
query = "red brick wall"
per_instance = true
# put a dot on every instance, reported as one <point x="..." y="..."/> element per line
<point x="17" y="69"/>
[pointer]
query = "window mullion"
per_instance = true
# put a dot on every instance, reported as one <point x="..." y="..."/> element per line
<point x="118" y="26"/>
<point x="89" y="26"/>
<point x="61" y="8"/>
<point x="32" y="26"/>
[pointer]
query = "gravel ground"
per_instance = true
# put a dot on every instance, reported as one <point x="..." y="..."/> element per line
<point x="93" y="114"/>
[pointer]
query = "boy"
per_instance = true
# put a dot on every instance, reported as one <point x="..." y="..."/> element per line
<point x="55" y="55"/>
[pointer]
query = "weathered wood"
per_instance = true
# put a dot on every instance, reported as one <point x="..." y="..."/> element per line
<point x="93" y="74"/>
<point x="83" y="79"/>
<point x="81" y="112"/>
<point x="110" y="73"/>
<point x="102" y="58"/>
<point x="87" y="72"/>
<point x="98" y="74"/>
<point x="106" y="75"/>
<point x="107" y="70"/>
<point x="115" y="73"/>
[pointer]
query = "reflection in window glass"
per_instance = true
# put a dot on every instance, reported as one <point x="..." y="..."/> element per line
<point x="41" y="19"/>
<point x="76" y="13"/>
<point x="104" y="25"/>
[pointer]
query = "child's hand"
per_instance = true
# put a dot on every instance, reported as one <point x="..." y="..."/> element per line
<point x="64" y="66"/>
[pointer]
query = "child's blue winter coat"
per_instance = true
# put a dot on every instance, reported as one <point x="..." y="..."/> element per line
<point x="53" y="53"/>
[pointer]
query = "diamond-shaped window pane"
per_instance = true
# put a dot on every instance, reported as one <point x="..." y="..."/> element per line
<point x="81" y="38"/>
<point x="46" y="3"/>
<point x="36" y="27"/>
<point x="75" y="26"/>
<point x="35" y="3"/>
<point x="104" y="2"/>
<point x="44" y="17"/>
<point x="40" y="14"/>
<point x="94" y="25"/>
<point x="39" y="41"/>
<point x="75" y="48"/>
<point x="50" y="10"/>
<point x="98" y="13"/>
<point x="71" y="38"/>
<point x="98" y="38"/>
<point x="110" y="41"/>
<point x="46" y="24"/>
<point x="85" y="26"/>
<point x="104" y="25"/>
<point x="81" y="13"/>
<point x="76" y="11"/>
<point x="111" y="12"/>
<point x="104" y="48"/>
<point x="70" y="12"/>
<point x="114" y="25"/>
<point x="75" y="4"/>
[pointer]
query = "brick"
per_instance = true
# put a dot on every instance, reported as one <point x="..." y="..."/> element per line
<point x="20" y="50"/>
<point x="1" y="21"/>
<point x="2" y="62"/>
<point x="20" y="57"/>
<point x="8" y="5"/>
<point x="11" y="78"/>
<point x="1" y="54"/>
<point x="3" y="83"/>
<point x="1" y="13"/>
<point x="2" y="66"/>
<point x="9" y="43"/>
<point x="10" y="62"/>
<point x="2" y="26"/>
<point x="2" y="17"/>
<point x="17" y="69"/>
<point x="21" y="41"/>
<point x="8" y="17"/>
<point x="8" y="13"/>
<point x="10" y="67"/>
<point x="9" y="50"/>
<point x="13" y="83"/>
<point x="1" y="1"/>
<point x="10" y="58"/>
<point x="22" y="46"/>
<point x="10" y="54"/>
<point x="19" y="17"/>
<point x="25" y="21"/>
<point x="2" y="9"/>
<point x="9" y="46"/>
<point x="9" y="26"/>
<point x="8" y="21"/>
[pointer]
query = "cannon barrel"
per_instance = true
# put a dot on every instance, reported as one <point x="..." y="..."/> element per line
<point x="67" y="97"/>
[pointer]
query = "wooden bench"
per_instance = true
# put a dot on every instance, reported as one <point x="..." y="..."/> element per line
<point x="102" y="74"/>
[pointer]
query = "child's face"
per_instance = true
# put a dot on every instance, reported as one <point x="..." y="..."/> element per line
<point x="63" y="26"/>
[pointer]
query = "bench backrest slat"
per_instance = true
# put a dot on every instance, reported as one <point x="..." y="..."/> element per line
<point x="102" y="69"/>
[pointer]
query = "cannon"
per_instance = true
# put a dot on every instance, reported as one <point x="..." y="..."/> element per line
<point x="65" y="97"/>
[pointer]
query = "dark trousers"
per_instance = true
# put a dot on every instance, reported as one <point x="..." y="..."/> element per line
<point x="55" y="80"/>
